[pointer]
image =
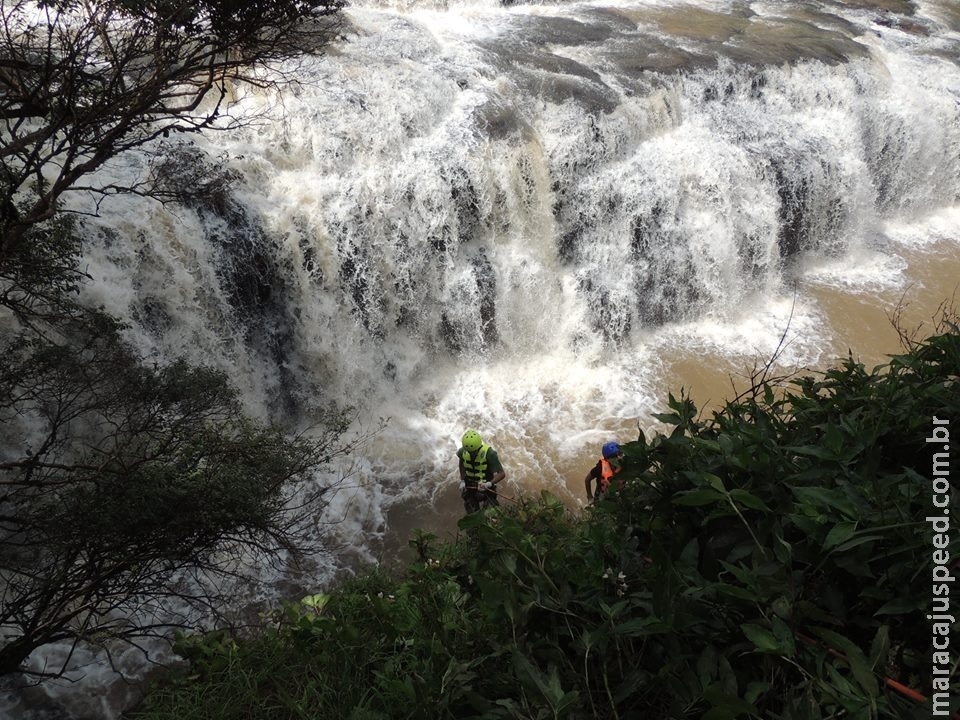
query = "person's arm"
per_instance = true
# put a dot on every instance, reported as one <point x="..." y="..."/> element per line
<point x="594" y="474"/>
<point x="495" y="467"/>
<point x="462" y="469"/>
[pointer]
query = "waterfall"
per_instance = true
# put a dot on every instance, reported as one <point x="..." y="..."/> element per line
<point x="474" y="215"/>
<point x="497" y="216"/>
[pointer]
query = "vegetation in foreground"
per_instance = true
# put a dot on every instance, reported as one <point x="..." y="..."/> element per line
<point x="772" y="561"/>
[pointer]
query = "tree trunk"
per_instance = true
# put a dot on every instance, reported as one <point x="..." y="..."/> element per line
<point x="14" y="654"/>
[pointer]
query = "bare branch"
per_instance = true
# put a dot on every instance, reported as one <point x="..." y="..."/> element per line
<point x="82" y="82"/>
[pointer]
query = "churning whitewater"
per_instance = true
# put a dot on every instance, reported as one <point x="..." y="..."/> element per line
<point x="503" y="217"/>
<point x="468" y="215"/>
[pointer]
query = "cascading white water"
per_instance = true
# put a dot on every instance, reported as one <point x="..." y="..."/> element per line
<point x="471" y="215"/>
<point x="478" y="216"/>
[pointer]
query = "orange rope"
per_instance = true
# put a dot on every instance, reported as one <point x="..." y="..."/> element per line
<point x="904" y="690"/>
<point x="889" y="682"/>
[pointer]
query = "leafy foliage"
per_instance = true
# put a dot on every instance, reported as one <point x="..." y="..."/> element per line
<point x="126" y="486"/>
<point x="769" y="561"/>
<point x="41" y="278"/>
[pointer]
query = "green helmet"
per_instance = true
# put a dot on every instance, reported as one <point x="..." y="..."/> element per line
<point x="472" y="441"/>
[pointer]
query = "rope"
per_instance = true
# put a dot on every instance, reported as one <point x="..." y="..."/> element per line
<point x="889" y="682"/>
<point x="476" y="488"/>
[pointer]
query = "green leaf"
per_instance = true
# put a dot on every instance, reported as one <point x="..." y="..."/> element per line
<point x="809" y="526"/>
<point x="741" y="574"/>
<point x="833" y="439"/>
<point x="762" y="638"/>
<point x="707" y="665"/>
<point x="840" y="533"/>
<point x="755" y="690"/>
<point x="715" y="482"/>
<point x="783" y="550"/>
<point x="861" y="669"/>
<point x="641" y="626"/>
<point x="750" y="500"/>
<point x="612" y="611"/>
<point x="806" y="610"/>
<point x="726" y="444"/>
<point x="899" y="606"/>
<point x="712" y="445"/>
<point x="701" y="496"/>
<point x="690" y="553"/>
<point x="735" y="591"/>
<point x="472" y="521"/>
<point x="546" y="684"/>
<point x="821" y="453"/>
<point x="768" y="397"/>
<point x="728" y="678"/>
<point x="880" y="647"/>
<point x="316" y="602"/>
<point x="821" y="497"/>
<point x="856" y="542"/>
<point x="718" y="696"/>
<point x="784" y="637"/>
<point x="719" y="713"/>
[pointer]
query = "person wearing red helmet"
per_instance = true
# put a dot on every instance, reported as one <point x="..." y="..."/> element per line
<point x="607" y="466"/>
<point x="480" y="471"/>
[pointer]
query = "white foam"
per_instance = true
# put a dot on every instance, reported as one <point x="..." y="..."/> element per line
<point x="790" y="327"/>
<point x="860" y="270"/>
<point x="938" y="227"/>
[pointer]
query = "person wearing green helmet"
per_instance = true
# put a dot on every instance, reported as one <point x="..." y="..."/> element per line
<point x="480" y="471"/>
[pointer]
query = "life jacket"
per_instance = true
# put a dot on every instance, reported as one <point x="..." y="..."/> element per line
<point x="607" y="471"/>
<point x="475" y="467"/>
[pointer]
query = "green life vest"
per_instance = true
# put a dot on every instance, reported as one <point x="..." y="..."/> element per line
<point x="475" y="468"/>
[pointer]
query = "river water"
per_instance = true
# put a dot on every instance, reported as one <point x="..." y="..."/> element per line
<point x="536" y="220"/>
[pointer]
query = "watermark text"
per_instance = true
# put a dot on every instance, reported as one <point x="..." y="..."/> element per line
<point x="941" y="619"/>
